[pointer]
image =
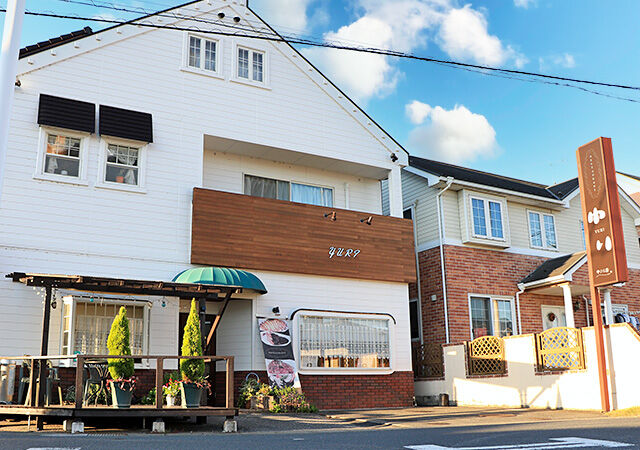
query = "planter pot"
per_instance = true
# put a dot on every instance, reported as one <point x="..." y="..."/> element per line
<point x="191" y="395"/>
<point x="171" y="400"/>
<point x="121" y="394"/>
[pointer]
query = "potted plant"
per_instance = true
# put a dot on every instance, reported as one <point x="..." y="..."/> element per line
<point x="171" y="390"/>
<point x="121" y="369"/>
<point x="192" y="370"/>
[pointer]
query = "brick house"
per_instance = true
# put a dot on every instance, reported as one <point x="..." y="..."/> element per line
<point x="503" y="256"/>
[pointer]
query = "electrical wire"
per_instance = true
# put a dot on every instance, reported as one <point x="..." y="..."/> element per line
<point x="272" y="36"/>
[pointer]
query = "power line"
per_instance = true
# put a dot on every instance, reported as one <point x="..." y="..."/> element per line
<point x="372" y="50"/>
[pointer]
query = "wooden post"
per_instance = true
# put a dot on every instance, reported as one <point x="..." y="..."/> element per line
<point x="159" y="380"/>
<point x="597" y="328"/>
<point x="44" y="351"/>
<point x="79" y="386"/>
<point x="32" y="384"/>
<point x="230" y="384"/>
<point x="214" y="327"/>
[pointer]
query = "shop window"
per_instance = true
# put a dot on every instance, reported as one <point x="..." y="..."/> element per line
<point x="491" y="316"/>
<point x="62" y="156"/>
<point x="87" y="321"/>
<point x="542" y="231"/>
<point x="285" y="190"/>
<point x="487" y="219"/>
<point x="344" y="342"/>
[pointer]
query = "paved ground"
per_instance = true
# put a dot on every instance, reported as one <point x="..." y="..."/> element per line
<point x="422" y="428"/>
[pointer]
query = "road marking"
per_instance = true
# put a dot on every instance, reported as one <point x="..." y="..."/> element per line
<point x="54" y="448"/>
<point x="568" y="442"/>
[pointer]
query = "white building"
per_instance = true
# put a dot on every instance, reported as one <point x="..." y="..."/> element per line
<point x="111" y="132"/>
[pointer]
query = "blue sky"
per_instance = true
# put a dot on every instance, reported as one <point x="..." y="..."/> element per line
<point x="520" y="129"/>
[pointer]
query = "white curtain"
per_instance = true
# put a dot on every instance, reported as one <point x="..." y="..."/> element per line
<point x="312" y="195"/>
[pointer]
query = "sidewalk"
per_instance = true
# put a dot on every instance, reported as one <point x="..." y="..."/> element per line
<point x="458" y="416"/>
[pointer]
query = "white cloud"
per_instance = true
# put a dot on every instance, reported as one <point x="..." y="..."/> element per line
<point x="405" y="26"/>
<point x="464" y="35"/>
<point x="456" y="135"/>
<point x="565" y="60"/>
<point x="524" y="3"/>
<point x="285" y="15"/>
<point x="417" y="111"/>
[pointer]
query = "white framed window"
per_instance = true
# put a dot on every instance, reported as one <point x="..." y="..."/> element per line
<point x="122" y="165"/>
<point x="86" y="322"/>
<point x="542" y="230"/>
<point x="288" y="190"/>
<point x="62" y="156"/>
<point x="341" y="342"/>
<point x="202" y="55"/>
<point x="492" y="316"/>
<point x="251" y="66"/>
<point x="487" y="218"/>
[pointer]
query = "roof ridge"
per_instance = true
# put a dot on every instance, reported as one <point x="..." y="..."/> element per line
<point x="561" y="182"/>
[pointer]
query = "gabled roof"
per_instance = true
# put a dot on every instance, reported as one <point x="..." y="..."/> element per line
<point x="64" y="39"/>
<point x="441" y="169"/>
<point x="555" y="267"/>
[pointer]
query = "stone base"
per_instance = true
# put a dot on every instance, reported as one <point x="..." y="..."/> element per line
<point x="73" y="426"/>
<point x="158" y="426"/>
<point x="230" y="426"/>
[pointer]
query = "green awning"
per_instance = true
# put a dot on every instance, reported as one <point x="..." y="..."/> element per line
<point x="221" y="276"/>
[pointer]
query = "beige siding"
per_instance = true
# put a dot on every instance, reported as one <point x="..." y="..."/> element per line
<point x="415" y="188"/>
<point x="452" y="204"/>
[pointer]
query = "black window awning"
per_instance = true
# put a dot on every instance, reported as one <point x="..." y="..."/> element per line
<point x="67" y="113"/>
<point x="125" y="123"/>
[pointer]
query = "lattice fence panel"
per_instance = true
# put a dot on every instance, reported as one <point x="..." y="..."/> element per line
<point x="486" y="356"/>
<point x="560" y="348"/>
<point x="428" y="361"/>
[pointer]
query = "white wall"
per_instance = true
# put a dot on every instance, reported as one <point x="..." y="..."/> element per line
<point x="224" y="172"/>
<point x="523" y="387"/>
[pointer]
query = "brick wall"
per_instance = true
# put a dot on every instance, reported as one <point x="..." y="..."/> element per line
<point x="345" y="391"/>
<point x="490" y="272"/>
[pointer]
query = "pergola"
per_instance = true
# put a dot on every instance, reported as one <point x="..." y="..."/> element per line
<point x="203" y="284"/>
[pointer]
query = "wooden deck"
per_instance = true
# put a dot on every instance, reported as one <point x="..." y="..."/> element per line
<point x="70" y="411"/>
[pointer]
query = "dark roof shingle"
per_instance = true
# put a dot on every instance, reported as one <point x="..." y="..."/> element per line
<point x="554" y="267"/>
<point x="55" y="42"/>
<point x="555" y="192"/>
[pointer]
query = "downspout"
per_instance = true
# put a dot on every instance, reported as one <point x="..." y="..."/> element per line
<point x="586" y="304"/>
<point x="520" y="291"/>
<point x="414" y="208"/>
<point x="440" y="236"/>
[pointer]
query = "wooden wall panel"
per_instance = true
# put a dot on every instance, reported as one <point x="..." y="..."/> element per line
<point x="241" y="231"/>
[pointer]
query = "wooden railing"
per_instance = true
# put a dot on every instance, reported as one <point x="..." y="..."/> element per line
<point x="485" y="356"/>
<point x="560" y="348"/>
<point x="37" y="394"/>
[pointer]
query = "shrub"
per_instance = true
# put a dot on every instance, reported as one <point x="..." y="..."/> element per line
<point x="288" y="399"/>
<point x="192" y="369"/>
<point x="118" y="344"/>
<point x="248" y="389"/>
<point x="150" y="398"/>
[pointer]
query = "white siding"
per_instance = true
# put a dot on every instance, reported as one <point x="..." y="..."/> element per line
<point x="223" y="171"/>
<point x="416" y="191"/>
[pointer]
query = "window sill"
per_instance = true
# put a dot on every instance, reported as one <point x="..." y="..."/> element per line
<point x="546" y="249"/>
<point x="60" y="179"/>
<point x="206" y="73"/>
<point x="345" y="371"/>
<point x="502" y="243"/>
<point x="262" y="85"/>
<point x="122" y="187"/>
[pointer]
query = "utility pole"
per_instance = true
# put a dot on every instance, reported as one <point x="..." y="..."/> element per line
<point x="8" y="67"/>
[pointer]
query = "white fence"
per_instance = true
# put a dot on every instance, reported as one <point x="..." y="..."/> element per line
<point x="524" y="386"/>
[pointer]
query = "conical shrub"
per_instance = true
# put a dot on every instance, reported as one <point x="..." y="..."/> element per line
<point x="118" y="344"/>
<point x="192" y="369"/>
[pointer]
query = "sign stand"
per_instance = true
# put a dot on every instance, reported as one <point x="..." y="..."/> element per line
<point x="603" y="236"/>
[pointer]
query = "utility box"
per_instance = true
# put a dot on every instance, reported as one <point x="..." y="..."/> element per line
<point x="7" y="381"/>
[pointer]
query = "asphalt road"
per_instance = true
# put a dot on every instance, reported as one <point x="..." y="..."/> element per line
<point x="473" y="431"/>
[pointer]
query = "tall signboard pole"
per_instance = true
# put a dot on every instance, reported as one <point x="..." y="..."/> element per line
<point x="603" y="235"/>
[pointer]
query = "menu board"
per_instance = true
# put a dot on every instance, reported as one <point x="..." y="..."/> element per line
<point x="278" y="352"/>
